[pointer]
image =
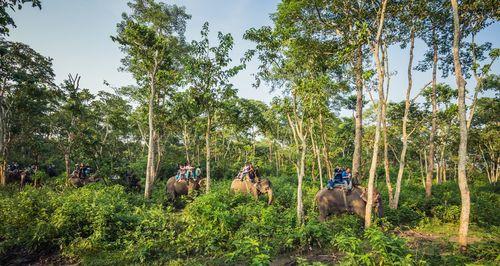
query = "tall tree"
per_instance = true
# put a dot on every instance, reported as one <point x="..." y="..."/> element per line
<point x="376" y="47"/>
<point x="462" y="151"/>
<point x="69" y="119"/>
<point x="340" y="29"/>
<point x="409" y="18"/>
<point x="209" y="72"/>
<point x="152" y="37"/>
<point x="22" y="71"/>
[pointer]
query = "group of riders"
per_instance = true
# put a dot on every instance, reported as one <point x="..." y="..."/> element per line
<point x="342" y="178"/>
<point x="14" y="168"/>
<point x="23" y="174"/>
<point x="82" y="171"/>
<point x="187" y="172"/>
<point x="249" y="172"/>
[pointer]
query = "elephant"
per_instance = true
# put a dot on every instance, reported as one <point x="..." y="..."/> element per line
<point x="176" y="188"/>
<point x="21" y="176"/>
<point x="80" y="182"/>
<point x="263" y="186"/>
<point x="333" y="202"/>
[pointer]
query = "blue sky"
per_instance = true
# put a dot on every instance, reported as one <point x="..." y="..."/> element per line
<point x="75" y="33"/>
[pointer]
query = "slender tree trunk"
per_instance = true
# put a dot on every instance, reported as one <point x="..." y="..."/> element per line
<point x="325" y="148"/>
<point x="441" y="165"/>
<point x="317" y="153"/>
<point x="300" y="139"/>
<point x="67" y="163"/>
<point x="444" y="170"/>
<point x="430" y="160"/>
<point x="358" y="138"/>
<point x="462" y="149"/>
<point x="380" y="87"/>
<point x="421" y="164"/>
<point x="150" y="168"/>
<point x="402" y="158"/>
<point x="3" y="148"/>
<point x="426" y="167"/>
<point x="300" y="204"/>
<point x="186" y="142"/>
<point x="198" y="160"/>
<point x="207" y="139"/>
<point x="384" y="131"/>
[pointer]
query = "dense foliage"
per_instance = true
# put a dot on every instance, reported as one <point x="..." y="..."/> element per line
<point x="100" y="224"/>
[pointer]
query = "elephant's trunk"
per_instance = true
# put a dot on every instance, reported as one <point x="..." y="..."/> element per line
<point x="270" y="196"/>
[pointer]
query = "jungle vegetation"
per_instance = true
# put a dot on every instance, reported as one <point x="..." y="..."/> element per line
<point x="434" y="156"/>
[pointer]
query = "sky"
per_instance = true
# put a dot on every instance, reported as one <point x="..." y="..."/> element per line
<point x="76" y="34"/>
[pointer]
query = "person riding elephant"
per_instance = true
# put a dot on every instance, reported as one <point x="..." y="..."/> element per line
<point x="15" y="175"/>
<point x="263" y="186"/>
<point x="25" y="176"/>
<point x="197" y="173"/>
<point x="336" y="201"/>
<point x="80" y="182"/>
<point x="178" y="187"/>
<point x="132" y="181"/>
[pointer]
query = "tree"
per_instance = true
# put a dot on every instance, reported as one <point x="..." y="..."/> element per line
<point x="152" y="37"/>
<point x="474" y="16"/>
<point x="209" y="72"/>
<point x="462" y="152"/>
<point x="5" y="19"/>
<point x="376" y="46"/>
<point x="23" y="71"/>
<point x="112" y="132"/>
<point x="339" y="31"/>
<point x="71" y="116"/>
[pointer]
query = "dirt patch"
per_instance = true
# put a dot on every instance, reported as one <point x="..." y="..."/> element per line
<point x="421" y="236"/>
<point x="24" y="257"/>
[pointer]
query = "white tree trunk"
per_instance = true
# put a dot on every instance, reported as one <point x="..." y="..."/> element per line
<point x="150" y="168"/>
<point x="208" y="150"/>
<point x="380" y="87"/>
<point x="402" y="159"/>
<point x="462" y="149"/>
<point x="430" y="160"/>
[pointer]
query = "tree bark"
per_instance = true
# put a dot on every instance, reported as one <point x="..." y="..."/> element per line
<point x="358" y="138"/>
<point x="186" y="142"/>
<point x="380" y="87"/>
<point x="387" y="173"/>
<point x="325" y="148"/>
<point x="300" y="139"/>
<point x="150" y="168"/>
<point x="4" y="137"/>
<point x="430" y="160"/>
<point x="3" y="149"/>
<point x="462" y="149"/>
<point x="317" y="153"/>
<point x="402" y="158"/>
<point x="208" y="150"/>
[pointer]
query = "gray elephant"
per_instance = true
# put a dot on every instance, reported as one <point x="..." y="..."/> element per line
<point x="333" y="202"/>
<point x="262" y="186"/>
<point x="176" y="188"/>
<point x="77" y="182"/>
<point x="21" y="176"/>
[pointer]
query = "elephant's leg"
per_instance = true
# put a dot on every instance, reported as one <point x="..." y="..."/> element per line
<point x="323" y="214"/>
<point x="255" y="193"/>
